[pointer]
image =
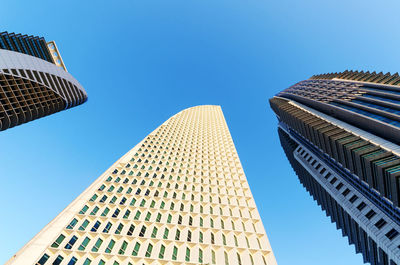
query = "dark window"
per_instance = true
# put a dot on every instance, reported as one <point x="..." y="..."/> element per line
<point x="361" y="206"/>
<point x="353" y="198"/>
<point x="370" y="214"/>
<point x="345" y="192"/>
<point x="392" y="234"/>
<point x="381" y="223"/>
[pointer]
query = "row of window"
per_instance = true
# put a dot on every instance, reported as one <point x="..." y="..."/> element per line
<point x="185" y="219"/>
<point x="128" y="229"/>
<point x="236" y="211"/>
<point x="360" y="206"/>
<point x="148" y="253"/>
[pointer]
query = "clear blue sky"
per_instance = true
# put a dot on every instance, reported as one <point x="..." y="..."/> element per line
<point x="143" y="61"/>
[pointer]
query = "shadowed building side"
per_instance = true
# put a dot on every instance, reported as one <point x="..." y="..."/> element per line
<point x="340" y="134"/>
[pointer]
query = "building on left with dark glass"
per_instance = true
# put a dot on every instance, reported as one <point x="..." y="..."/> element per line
<point x="34" y="81"/>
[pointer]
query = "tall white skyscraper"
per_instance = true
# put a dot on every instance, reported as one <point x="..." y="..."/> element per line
<point x="178" y="197"/>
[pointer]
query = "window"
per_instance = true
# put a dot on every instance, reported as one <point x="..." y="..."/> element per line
<point x="105" y="212"/>
<point x="102" y="262"/>
<point x="226" y="258"/>
<point x="238" y="258"/>
<point x="201" y="222"/>
<point x="162" y="205"/>
<point x="251" y="259"/>
<point x="142" y="231"/>
<point x="178" y="234"/>
<point x="127" y="213"/>
<point x="84" y="225"/>
<point x="370" y="214"/>
<point x="133" y="202"/>
<point x="154" y="233"/>
<point x="137" y="216"/>
<point x="236" y="241"/>
<point x="136" y="249"/>
<point x="169" y="219"/>
<point x="84" y="243"/>
<point x="113" y="199"/>
<point x="201" y="237"/>
<point x="119" y="229"/>
<point x="110" y="246"/>
<point x="131" y="229"/>
<point x="152" y="204"/>
<point x="223" y="239"/>
<point x="123" y="200"/>
<point x="148" y="216"/>
<point x="175" y="253"/>
<point x="353" y="198"/>
<point x="158" y="219"/>
<point x="58" y="260"/>
<point x="58" y="241"/>
<point x="87" y="262"/>
<point x="94" y="211"/>
<point x="187" y="256"/>
<point x="162" y="251"/>
<point x="107" y="227"/>
<point x="213" y="256"/>
<point x="95" y="227"/>
<point x="142" y="203"/>
<point x="96" y="246"/>
<point x="149" y="249"/>
<point x="166" y="232"/>
<point x="43" y="259"/>
<point x="104" y="198"/>
<point x="361" y="206"/>
<point x="189" y="236"/>
<point x="123" y="248"/>
<point x="72" y="224"/>
<point x="392" y="234"/>
<point x="71" y="242"/>
<point x="172" y="206"/>
<point x="94" y="197"/>
<point x="179" y="220"/>
<point x="212" y="239"/>
<point x="84" y="209"/>
<point x="200" y="256"/>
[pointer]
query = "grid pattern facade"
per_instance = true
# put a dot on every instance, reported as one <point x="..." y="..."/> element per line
<point x="32" y="84"/>
<point x="178" y="197"/>
<point x="340" y="133"/>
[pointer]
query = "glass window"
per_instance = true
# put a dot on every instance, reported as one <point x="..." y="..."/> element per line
<point x="136" y="249"/>
<point x="123" y="248"/>
<point x="84" y="225"/>
<point x="84" y="209"/>
<point x="110" y="246"/>
<point x="87" y="262"/>
<point x="119" y="229"/>
<point x="162" y="251"/>
<point x="175" y="253"/>
<point x="149" y="249"/>
<point x="58" y="241"/>
<point x="71" y="242"/>
<point x="58" y="260"/>
<point x="72" y="224"/>
<point x="84" y="243"/>
<point x="96" y="246"/>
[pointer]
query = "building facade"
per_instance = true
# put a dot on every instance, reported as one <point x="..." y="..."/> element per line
<point x="340" y="132"/>
<point x="178" y="197"/>
<point x="34" y="81"/>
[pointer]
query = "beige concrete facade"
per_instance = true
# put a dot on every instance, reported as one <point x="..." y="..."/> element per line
<point x="179" y="197"/>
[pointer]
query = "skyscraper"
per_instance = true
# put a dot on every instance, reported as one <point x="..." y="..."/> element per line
<point x="178" y="197"/>
<point x="34" y="81"/>
<point x="340" y="133"/>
